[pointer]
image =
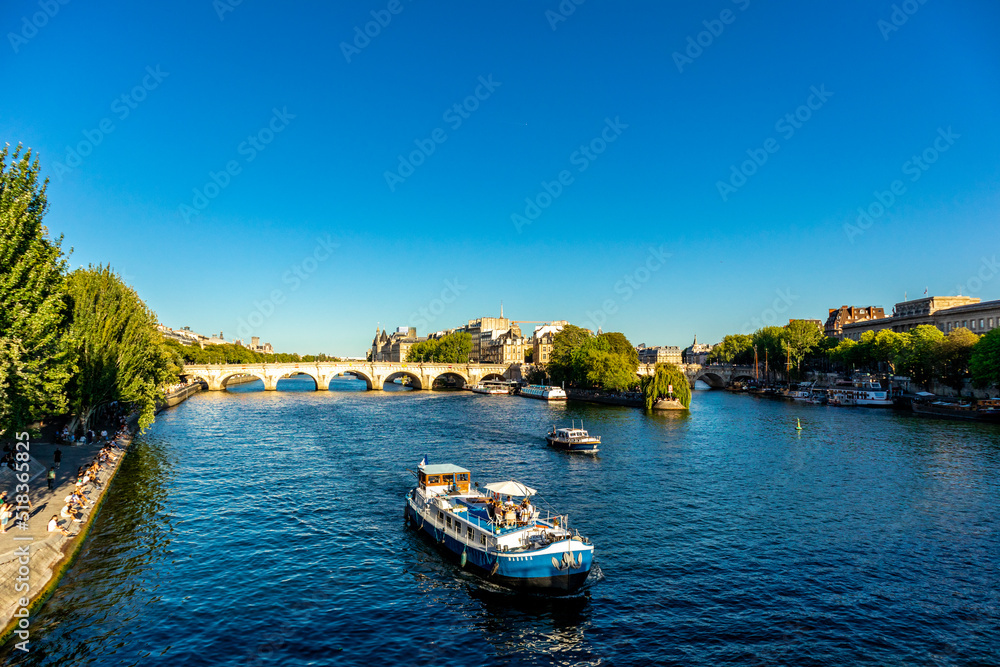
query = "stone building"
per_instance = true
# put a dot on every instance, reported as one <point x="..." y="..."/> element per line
<point x="506" y="347"/>
<point x="664" y="354"/>
<point x="485" y="325"/>
<point x="696" y="353"/>
<point x="947" y="313"/>
<point x="849" y="315"/>
<point x="395" y="346"/>
<point x="541" y="341"/>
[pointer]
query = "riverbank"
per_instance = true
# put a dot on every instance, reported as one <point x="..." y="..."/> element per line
<point x="33" y="560"/>
<point x="594" y="396"/>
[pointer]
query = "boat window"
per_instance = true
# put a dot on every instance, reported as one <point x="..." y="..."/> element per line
<point x="433" y="479"/>
<point x="440" y="516"/>
<point x="468" y="533"/>
<point x="463" y="477"/>
<point x="448" y="521"/>
<point x="447" y="479"/>
<point x="482" y="538"/>
<point x="458" y="528"/>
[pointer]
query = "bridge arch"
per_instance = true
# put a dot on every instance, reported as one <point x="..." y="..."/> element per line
<point x="713" y="380"/>
<point x="493" y="376"/>
<point x="452" y="378"/>
<point x="361" y="375"/>
<point x="291" y="373"/>
<point x="414" y="379"/>
<point x="226" y="377"/>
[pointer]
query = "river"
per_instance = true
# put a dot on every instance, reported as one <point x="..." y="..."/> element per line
<point x="266" y="528"/>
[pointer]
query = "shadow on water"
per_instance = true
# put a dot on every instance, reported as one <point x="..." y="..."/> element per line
<point x="114" y="578"/>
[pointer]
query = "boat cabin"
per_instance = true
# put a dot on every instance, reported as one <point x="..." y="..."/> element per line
<point x="444" y="477"/>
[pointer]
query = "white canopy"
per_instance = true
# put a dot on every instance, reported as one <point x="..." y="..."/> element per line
<point x="510" y="488"/>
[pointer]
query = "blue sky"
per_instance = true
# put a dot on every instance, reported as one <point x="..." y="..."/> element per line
<point x="308" y="243"/>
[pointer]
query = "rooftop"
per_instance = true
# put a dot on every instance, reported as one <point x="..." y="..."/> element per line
<point x="442" y="469"/>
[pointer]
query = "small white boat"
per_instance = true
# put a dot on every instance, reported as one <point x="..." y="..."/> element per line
<point x="573" y="439"/>
<point x="491" y="387"/>
<point x="543" y="392"/>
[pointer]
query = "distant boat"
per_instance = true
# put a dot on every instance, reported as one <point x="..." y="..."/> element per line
<point x="491" y="387"/>
<point x="863" y="390"/>
<point x="573" y="439"/>
<point x="543" y="392"/>
<point x="987" y="410"/>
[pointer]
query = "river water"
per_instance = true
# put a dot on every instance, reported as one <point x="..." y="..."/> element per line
<point x="265" y="528"/>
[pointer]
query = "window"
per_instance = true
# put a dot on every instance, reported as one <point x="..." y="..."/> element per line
<point x="482" y="539"/>
<point x="433" y="479"/>
<point x="965" y="323"/>
<point x="980" y="323"/>
<point x="990" y="322"/>
<point x="463" y="477"/>
<point x="447" y="521"/>
<point x="440" y="516"/>
<point x="468" y="533"/>
<point x="458" y="528"/>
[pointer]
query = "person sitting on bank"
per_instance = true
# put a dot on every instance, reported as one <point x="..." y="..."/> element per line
<point x="54" y="526"/>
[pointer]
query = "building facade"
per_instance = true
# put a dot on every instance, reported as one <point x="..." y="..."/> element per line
<point x="395" y="346"/>
<point x="849" y="315"/>
<point x="947" y="313"/>
<point x="478" y="327"/>
<point x="541" y="341"/>
<point x="696" y="353"/>
<point x="507" y="347"/>
<point x="664" y="354"/>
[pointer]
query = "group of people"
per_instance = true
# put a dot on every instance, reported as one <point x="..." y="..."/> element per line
<point x="7" y="512"/>
<point x="86" y="476"/>
<point x="508" y="513"/>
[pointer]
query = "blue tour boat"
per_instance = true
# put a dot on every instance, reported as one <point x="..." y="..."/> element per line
<point x="514" y="545"/>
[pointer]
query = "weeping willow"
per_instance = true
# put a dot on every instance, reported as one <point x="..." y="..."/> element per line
<point x="657" y="385"/>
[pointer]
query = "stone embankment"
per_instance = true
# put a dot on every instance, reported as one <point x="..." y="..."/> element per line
<point x="592" y="396"/>
<point x="33" y="560"/>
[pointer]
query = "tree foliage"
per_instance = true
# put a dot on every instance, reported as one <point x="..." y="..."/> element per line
<point x="733" y="349"/>
<point x="120" y="355"/>
<point x="35" y="359"/>
<point x="565" y="344"/>
<point x="451" y="349"/>
<point x="801" y="337"/>
<point x="667" y="381"/>
<point x="919" y="359"/>
<point x="984" y="362"/>
<point x="608" y="361"/>
<point x="954" y="355"/>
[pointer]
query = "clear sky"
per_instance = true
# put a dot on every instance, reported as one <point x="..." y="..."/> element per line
<point x="620" y="147"/>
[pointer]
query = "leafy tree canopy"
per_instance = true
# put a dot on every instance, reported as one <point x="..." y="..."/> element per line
<point x="667" y="381"/>
<point x="35" y="358"/>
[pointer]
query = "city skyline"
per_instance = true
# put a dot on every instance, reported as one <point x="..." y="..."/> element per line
<point x="663" y="171"/>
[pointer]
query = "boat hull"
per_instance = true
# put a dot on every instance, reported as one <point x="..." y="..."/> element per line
<point x="575" y="447"/>
<point x="523" y="572"/>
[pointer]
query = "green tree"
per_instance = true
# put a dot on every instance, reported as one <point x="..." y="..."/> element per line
<point x="887" y="347"/>
<point x="771" y="350"/>
<point x="35" y="358"/>
<point x="955" y="353"/>
<point x="454" y="348"/>
<point x="801" y="337"/>
<point x="565" y="346"/>
<point x="120" y="356"/>
<point x="664" y="378"/>
<point x="984" y="362"/>
<point x="733" y="349"/>
<point x="921" y="357"/>
<point x="620" y="345"/>
<point x="843" y="353"/>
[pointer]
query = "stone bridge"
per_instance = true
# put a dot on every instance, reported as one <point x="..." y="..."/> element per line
<point x="374" y="374"/>
<point x="715" y="376"/>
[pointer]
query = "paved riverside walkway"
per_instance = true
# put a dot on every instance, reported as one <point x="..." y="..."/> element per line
<point x="46" y="550"/>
